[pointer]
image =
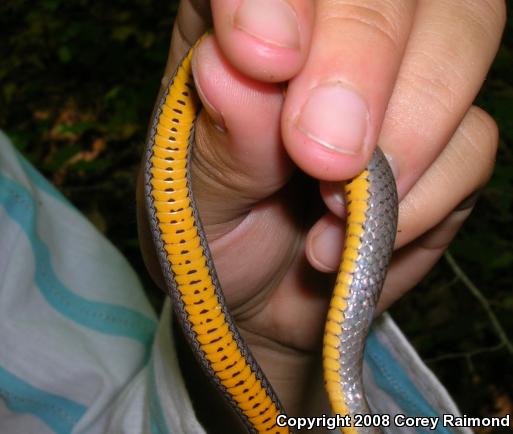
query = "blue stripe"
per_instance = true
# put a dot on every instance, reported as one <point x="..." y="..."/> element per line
<point x="59" y="413"/>
<point x="393" y="379"/>
<point x="40" y="181"/>
<point x="106" y="318"/>
<point x="35" y="177"/>
<point x="158" y="423"/>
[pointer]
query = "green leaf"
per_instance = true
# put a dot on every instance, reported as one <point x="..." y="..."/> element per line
<point x="64" y="54"/>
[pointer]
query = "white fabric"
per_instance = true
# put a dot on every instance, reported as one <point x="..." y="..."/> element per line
<point x="81" y="350"/>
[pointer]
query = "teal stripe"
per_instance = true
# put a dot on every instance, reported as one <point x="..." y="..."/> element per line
<point x="106" y="318"/>
<point x="393" y="379"/>
<point x="158" y="423"/>
<point x="41" y="182"/>
<point x="35" y="177"/>
<point x="59" y="413"/>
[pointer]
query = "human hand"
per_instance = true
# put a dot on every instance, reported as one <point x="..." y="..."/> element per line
<point x="395" y="73"/>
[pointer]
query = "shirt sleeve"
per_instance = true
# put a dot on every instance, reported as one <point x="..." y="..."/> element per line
<point x="82" y="350"/>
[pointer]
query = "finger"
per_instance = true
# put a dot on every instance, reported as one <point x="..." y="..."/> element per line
<point x="264" y="39"/>
<point x="450" y="49"/>
<point x="192" y="20"/>
<point x="335" y="106"/>
<point x="325" y="242"/>
<point x="411" y="263"/>
<point x="238" y="155"/>
<point x="462" y="168"/>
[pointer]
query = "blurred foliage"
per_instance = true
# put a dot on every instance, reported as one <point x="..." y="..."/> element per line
<point x="77" y="85"/>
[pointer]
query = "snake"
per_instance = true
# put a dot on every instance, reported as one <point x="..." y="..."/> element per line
<point x="196" y="295"/>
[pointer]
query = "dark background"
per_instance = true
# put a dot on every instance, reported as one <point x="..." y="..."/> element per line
<point x="77" y="85"/>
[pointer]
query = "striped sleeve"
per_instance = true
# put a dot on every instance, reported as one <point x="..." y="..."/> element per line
<point x="81" y="346"/>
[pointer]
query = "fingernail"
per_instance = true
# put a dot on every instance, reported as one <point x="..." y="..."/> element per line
<point x="337" y="191"/>
<point x="394" y="166"/>
<point x="215" y="115"/>
<point x="469" y="201"/>
<point x="336" y="118"/>
<point x="326" y="247"/>
<point x="272" y="21"/>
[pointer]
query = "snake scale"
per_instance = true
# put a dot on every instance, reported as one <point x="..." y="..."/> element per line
<point x="193" y="286"/>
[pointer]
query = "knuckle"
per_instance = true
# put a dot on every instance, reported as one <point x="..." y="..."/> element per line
<point x="380" y="19"/>
<point x="481" y="134"/>
<point x="486" y="127"/>
<point x="487" y="16"/>
<point x="431" y="84"/>
<point x="443" y="65"/>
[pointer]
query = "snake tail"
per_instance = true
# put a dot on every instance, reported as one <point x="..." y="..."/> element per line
<point x="371" y="200"/>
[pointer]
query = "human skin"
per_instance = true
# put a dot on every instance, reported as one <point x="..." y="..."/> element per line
<point x="402" y="74"/>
